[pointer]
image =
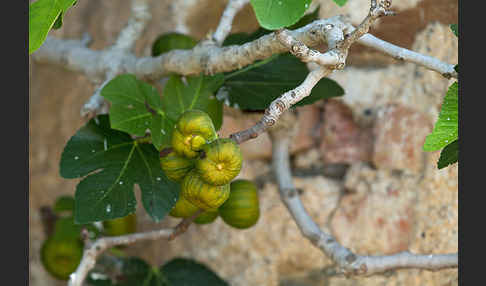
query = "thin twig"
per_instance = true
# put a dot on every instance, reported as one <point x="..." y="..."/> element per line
<point x="184" y="225"/>
<point x="95" y="103"/>
<point x="280" y="105"/>
<point x="113" y="56"/>
<point x="94" y="250"/>
<point x="224" y="26"/>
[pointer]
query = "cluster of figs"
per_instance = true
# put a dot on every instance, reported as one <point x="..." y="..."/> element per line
<point x="205" y="166"/>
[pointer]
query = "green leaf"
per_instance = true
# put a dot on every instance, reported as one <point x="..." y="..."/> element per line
<point x="455" y="29"/>
<point x="135" y="107"/>
<point x="456" y="68"/>
<point x="445" y="129"/>
<point x="98" y="279"/>
<point x="307" y="19"/>
<point x="276" y="14"/>
<point x="137" y="272"/>
<point x="340" y="3"/>
<point x="241" y="38"/>
<point x="256" y="86"/>
<point x="44" y="15"/>
<point x="119" y="162"/>
<point x="134" y="272"/>
<point x="449" y="155"/>
<point x="196" y="93"/>
<point x="172" y="41"/>
<point x="181" y="271"/>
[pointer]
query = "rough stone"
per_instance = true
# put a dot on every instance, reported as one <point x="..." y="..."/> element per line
<point x="376" y="214"/>
<point x="438" y="233"/>
<point x="343" y="140"/>
<point x="399" y="136"/>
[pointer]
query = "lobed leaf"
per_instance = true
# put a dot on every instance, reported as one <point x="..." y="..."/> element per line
<point x="172" y="41"/>
<point x="276" y="14"/>
<point x="44" y="15"/>
<point x="340" y="3"/>
<point x="112" y="163"/>
<point x="449" y="155"/>
<point x="455" y="29"/>
<point x="136" y="107"/>
<point x="181" y="271"/>
<point x="256" y="86"/>
<point x="446" y="128"/>
<point x="241" y="38"/>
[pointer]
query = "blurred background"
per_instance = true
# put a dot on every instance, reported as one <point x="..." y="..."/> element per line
<point x="358" y="159"/>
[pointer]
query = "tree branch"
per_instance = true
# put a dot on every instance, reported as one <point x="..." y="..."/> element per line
<point x="96" y="103"/>
<point x="280" y="105"/>
<point x="347" y="261"/>
<point x="93" y="250"/>
<point x="184" y="225"/>
<point x="399" y="53"/>
<point x="135" y="26"/>
<point x="334" y="58"/>
<point x="113" y="57"/>
<point x="208" y="58"/>
<point x="301" y="51"/>
<point x="224" y="27"/>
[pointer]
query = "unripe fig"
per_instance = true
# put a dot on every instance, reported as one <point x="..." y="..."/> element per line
<point x="221" y="162"/>
<point x="172" y="41"/>
<point x="194" y="128"/>
<point x="241" y="210"/>
<point x="61" y="257"/>
<point x="120" y="226"/>
<point x="183" y="208"/>
<point x="175" y="166"/>
<point x="202" y="194"/>
<point x="207" y="217"/>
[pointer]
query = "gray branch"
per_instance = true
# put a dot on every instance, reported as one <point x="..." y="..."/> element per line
<point x="225" y="23"/>
<point x="93" y="250"/>
<point x="347" y="261"/>
<point x="208" y="58"/>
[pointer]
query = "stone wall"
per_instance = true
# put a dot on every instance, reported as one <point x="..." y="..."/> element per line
<point x="357" y="159"/>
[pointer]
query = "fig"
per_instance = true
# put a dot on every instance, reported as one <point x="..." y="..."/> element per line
<point x="176" y="167"/>
<point x="61" y="257"/>
<point x="202" y="194"/>
<point x="172" y="41"/>
<point x="120" y="226"/>
<point x="207" y="217"/>
<point x="183" y="208"/>
<point x="221" y="162"/>
<point x="241" y="210"/>
<point x="194" y="129"/>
